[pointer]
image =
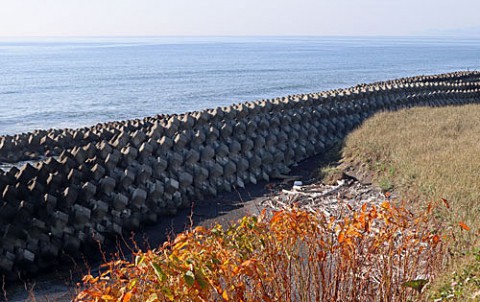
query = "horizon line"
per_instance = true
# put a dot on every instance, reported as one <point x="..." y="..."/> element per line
<point x="237" y="36"/>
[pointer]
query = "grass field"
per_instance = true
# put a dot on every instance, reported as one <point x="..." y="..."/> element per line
<point x="426" y="154"/>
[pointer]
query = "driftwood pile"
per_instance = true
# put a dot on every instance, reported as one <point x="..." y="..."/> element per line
<point x="331" y="200"/>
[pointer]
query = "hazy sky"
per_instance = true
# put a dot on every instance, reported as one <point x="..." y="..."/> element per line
<point x="237" y="17"/>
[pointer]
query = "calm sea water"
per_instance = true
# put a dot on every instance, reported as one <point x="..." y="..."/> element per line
<point x="80" y="82"/>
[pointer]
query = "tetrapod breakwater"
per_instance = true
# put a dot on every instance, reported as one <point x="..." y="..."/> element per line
<point x="66" y="190"/>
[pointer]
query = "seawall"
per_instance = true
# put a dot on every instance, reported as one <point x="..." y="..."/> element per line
<point x="91" y="184"/>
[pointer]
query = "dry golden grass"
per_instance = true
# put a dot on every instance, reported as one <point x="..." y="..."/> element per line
<point x="429" y="153"/>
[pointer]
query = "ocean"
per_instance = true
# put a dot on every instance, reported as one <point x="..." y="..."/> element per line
<point x="76" y="82"/>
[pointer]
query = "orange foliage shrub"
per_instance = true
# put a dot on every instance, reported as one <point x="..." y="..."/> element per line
<point x="375" y="253"/>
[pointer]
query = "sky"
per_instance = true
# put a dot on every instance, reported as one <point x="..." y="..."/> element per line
<point x="30" y="18"/>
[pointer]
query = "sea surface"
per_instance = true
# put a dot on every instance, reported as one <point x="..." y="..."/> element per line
<point x="76" y="82"/>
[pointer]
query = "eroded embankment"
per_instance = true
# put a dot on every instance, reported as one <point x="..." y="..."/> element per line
<point x="91" y="184"/>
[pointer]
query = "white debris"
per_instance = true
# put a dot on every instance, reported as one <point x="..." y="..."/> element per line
<point x="328" y="199"/>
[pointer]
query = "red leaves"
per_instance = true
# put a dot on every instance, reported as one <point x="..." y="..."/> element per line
<point x="277" y="216"/>
<point x="385" y="205"/>
<point x="445" y="202"/>
<point x="248" y="267"/>
<point x="257" y="259"/>
<point x="127" y="297"/>
<point x="464" y="226"/>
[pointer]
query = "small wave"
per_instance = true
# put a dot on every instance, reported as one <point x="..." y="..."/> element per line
<point x="9" y="92"/>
